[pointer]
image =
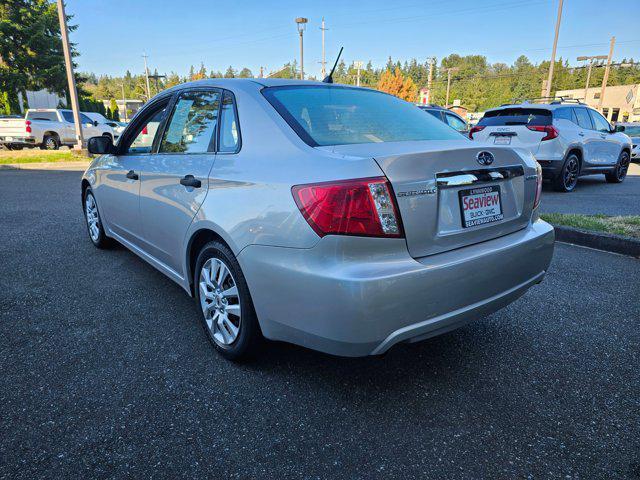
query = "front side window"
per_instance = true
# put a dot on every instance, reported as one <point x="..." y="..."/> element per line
<point x="336" y="115"/>
<point x="583" y="118"/>
<point x="599" y="122"/>
<point x="456" y="123"/>
<point x="229" y="136"/>
<point x="146" y="130"/>
<point x="193" y="123"/>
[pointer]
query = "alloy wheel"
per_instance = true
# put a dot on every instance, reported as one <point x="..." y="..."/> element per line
<point x="50" y="143"/>
<point x="570" y="174"/>
<point x="623" y="167"/>
<point x="220" y="301"/>
<point x="93" y="221"/>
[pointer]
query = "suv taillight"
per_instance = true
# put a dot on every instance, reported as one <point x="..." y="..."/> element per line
<point x="536" y="202"/>
<point x="474" y="130"/>
<point x="550" y="130"/>
<point x="27" y="126"/>
<point x="364" y="207"/>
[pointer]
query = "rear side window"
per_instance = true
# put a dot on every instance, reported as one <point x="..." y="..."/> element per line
<point x="229" y="130"/>
<point x="68" y="116"/>
<point x="456" y="123"/>
<point x="584" y="120"/>
<point x="193" y="123"/>
<point x="516" y="116"/>
<point x="336" y="115"/>
<point x="48" y="116"/>
<point x="435" y="113"/>
<point x="565" y="114"/>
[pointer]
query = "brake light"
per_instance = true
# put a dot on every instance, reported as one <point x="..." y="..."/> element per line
<point x="145" y="131"/>
<point x="550" y="130"/>
<point x="27" y="126"/>
<point x="364" y="207"/>
<point x="474" y="130"/>
<point x="536" y="202"/>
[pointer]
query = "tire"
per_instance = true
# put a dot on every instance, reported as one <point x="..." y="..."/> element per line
<point x="94" y="222"/>
<point x="50" y="142"/>
<point x="619" y="173"/>
<point x="229" y="320"/>
<point x="15" y="147"/>
<point x="567" y="179"/>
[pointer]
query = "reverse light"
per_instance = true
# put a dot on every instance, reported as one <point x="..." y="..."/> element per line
<point x="536" y="202"/>
<point x="550" y="130"/>
<point x="475" y="130"/>
<point x="27" y="126"/>
<point x="363" y="207"/>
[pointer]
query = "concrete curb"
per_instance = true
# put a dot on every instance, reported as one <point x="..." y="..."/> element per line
<point x="77" y="165"/>
<point x="599" y="240"/>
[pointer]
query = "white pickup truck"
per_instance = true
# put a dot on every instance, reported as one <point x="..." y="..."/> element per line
<point x="48" y="129"/>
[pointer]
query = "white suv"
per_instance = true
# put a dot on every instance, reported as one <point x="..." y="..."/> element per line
<point x="568" y="139"/>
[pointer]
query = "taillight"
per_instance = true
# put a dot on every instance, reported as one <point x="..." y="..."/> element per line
<point x="145" y="131"/>
<point x="364" y="207"/>
<point x="474" y="130"/>
<point x="550" y="130"/>
<point x="27" y="126"/>
<point x="536" y="202"/>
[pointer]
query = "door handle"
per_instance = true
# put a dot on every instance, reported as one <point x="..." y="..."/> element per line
<point x="131" y="175"/>
<point x="581" y="134"/>
<point x="190" y="181"/>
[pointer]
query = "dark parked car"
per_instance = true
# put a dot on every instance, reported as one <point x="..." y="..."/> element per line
<point x="452" y="119"/>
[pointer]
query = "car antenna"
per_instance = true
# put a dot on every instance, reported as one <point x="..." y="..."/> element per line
<point x="329" y="78"/>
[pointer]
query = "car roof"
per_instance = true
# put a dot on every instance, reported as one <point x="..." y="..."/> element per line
<point x="540" y="106"/>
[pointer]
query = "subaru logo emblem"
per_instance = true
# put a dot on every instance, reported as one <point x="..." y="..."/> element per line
<point x="484" y="158"/>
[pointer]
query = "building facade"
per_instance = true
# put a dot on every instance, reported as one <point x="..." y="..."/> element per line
<point x="620" y="104"/>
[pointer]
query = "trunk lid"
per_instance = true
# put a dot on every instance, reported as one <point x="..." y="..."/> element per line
<point x="431" y="180"/>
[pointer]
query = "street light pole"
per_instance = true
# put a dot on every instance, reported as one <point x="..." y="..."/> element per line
<point x="73" y="92"/>
<point x="302" y="23"/>
<point x="324" y="61"/>
<point x="553" y="51"/>
<point x="358" y="66"/>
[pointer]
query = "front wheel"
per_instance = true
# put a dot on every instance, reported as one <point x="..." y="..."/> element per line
<point x="567" y="179"/>
<point x="94" y="223"/>
<point x="619" y="173"/>
<point x="223" y="297"/>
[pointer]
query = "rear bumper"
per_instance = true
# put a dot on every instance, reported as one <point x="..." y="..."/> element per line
<point x="355" y="296"/>
<point x="551" y="168"/>
<point x="26" y="141"/>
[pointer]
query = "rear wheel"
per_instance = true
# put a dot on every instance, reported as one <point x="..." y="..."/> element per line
<point x="14" y="147"/>
<point x="567" y="179"/>
<point x="50" y="142"/>
<point x="619" y="173"/>
<point x="223" y="297"/>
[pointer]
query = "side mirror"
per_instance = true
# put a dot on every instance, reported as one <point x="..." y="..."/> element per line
<point x="100" y="145"/>
<point x="619" y="128"/>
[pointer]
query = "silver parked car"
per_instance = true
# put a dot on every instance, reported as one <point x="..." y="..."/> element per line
<point x="341" y="219"/>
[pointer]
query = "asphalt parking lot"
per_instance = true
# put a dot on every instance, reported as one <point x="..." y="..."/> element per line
<point x="594" y="195"/>
<point x="106" y="372"/>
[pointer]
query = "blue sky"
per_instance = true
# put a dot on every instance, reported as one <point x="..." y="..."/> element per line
<point x="113" y="34"/>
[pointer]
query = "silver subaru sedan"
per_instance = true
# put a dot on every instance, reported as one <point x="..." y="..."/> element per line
<point x="338" y="218"/>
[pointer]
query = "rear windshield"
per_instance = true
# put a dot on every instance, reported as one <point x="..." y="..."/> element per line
<point x="34" y="115"/>
<point x="336" y="115"/>
<point x="516" y="116"/>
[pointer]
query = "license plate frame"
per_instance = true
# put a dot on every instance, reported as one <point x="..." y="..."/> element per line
<point x="489" y="215"/>
<point x="502" y="140"/>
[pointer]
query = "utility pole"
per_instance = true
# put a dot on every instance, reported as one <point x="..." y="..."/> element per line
<point x="432" y="61"/>
<point x="124" y="103"/>
<point x="71" y="79"/>
<point x="261" y="72"/>
<point x="324" y="60"/>
<point x="591" y="58"/>
<point x="449" y="70"/>
<point x="358" y="66"/>
<point x="146" y="74"/>
<point x="606" y="73"/>
<point x="553" y="50"/>
<point x="302" y="24"/>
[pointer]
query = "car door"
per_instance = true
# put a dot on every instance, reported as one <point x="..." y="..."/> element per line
<point x="88" y="128"/>
<point x="608" y="146"/>
<point x="68" y="132"/>
<point x="588" y="137"/>
<point x="119" y="178"/>
<point x="175" y="179"/>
